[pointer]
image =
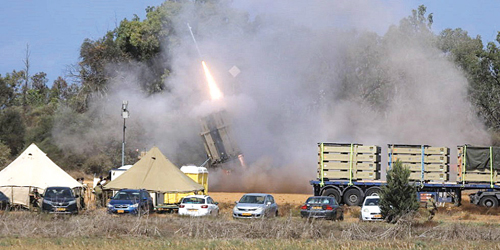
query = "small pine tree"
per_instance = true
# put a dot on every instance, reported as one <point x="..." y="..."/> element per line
<point x="398" y="197"/>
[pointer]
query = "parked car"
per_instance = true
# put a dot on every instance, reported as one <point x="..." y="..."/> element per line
<point x="322" y="207"/>
<point x="4" y="202"/>
<point x="370" y="211"/>
<point x="131" y="201"/>
<point x="255" y="205"/>
<point x="198" y="205"/>
<point x="60" y="200"/>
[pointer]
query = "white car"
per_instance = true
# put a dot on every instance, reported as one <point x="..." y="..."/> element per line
<point x="198" y="205"/>
<point x="370" y="211"/>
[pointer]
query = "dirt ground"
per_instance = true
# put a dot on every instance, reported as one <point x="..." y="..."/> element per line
<point x="292" y="199"/>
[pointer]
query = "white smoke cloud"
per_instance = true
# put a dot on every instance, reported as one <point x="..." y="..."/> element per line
<point x="290" y="93"/>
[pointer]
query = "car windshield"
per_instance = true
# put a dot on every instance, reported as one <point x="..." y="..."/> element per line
<point x="124" y="195"/>
<point x="193" y="200"/>
<point x="253" y="199"/>
<point x="372" y="201"/>
<point x="58" y="193"/>
<point x="318" y="200"/>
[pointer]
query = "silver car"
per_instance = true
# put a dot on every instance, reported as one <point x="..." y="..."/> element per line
<point x="255" y="206"/>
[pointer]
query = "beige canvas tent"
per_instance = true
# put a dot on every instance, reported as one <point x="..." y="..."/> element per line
<point x="32" y="169"/>
<point x="154" y="172"/>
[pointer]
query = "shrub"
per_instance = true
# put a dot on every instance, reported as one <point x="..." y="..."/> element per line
<point x="398" y="197"/>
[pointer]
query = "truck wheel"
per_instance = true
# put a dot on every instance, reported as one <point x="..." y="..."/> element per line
<point x="352" y="197"/>
<point x="489" y="201"/>
<point x="332" y="193"/>
<point x="372" y="191"/>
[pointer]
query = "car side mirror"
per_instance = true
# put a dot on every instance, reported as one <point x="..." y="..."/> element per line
<point x="216" y="203"/>
<point x="236" y="202"/>
<point x="268" y="203"/>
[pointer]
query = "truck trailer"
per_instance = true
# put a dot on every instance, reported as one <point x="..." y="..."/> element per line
<point x="349" y="172"/>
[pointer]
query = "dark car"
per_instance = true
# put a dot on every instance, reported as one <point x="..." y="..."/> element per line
<point x="4" y="202"/>
<point x="322" y="207"/>
<point x="60" y="200"/>
<point x="131" y="201"/>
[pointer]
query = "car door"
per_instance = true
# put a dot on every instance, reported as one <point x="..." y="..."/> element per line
<point x="211" y="205"/>
<point x="273" y="205"/>
<point x="336" y="206"/>
<point x="270" y="210"/>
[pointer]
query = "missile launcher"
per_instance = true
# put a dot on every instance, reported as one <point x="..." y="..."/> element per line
<point x="217" y="138"/>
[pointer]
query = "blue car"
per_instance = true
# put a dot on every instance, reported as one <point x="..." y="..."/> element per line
<point x="131" y="201"/>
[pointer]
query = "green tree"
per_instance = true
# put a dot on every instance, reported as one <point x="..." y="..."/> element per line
<point x="98" y="164"/>
<point x="398" y="197"/>
<point x="12" y="129"/>
<point x="15" y="81"/>
<point x="481" y="67"/>
<point x="6" y="93"/>
<point x="5" y="155"/>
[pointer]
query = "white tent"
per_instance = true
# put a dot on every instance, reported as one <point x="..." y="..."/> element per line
<point x="32" y="169"/>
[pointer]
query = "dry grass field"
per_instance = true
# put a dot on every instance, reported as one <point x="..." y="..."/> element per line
<point x="465" y="227"/>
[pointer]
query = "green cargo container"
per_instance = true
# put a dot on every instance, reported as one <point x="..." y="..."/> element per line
<point x="346" y="165"/>
<point x="417" y="149"/>
<point x="356" y="175"/>
<point x="359" y="149"/>
<point x="353" y="157"/>
<point x="418" y="158"/>
<point x="479" y="177"/>
<point x="427" y="167"/>
<point x="437" y="177"/>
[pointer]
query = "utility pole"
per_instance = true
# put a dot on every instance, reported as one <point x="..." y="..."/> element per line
<point x="125" y="115"/>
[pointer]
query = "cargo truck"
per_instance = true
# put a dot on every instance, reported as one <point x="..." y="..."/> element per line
<point x="349" y="172"/>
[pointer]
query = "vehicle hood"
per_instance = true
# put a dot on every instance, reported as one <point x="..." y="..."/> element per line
<point x="371" y="209"/>
<point x="250" y="205"/>
<point x="60" y="199"/>
<point x="123" y="202"/>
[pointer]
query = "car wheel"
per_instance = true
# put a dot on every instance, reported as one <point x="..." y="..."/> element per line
<point x="489" y="201"/>
<point x="276" y="214"/>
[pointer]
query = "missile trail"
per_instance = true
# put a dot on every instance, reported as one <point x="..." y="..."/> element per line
<point x="195" y="43"/>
